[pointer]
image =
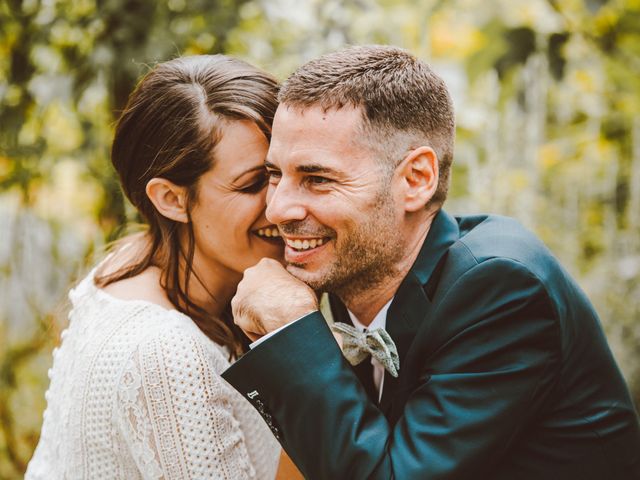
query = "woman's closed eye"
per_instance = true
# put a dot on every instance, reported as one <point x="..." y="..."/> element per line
<point x="256" y="186"/>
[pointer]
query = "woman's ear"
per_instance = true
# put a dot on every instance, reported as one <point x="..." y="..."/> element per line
<point x="420" y="174"/>
<point x="169" y="199"/>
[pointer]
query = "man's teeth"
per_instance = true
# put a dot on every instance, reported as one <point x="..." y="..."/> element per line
<point x="305" y="244"/>
<point x="269" y="232"/>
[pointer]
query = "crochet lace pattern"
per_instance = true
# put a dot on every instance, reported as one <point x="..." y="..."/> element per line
<point x="135" y="393"/>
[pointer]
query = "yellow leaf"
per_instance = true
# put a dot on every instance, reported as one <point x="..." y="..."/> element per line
<point x="519" y="180"/>
<point x="548" y="155"/>
<point x="605" y="20"/>
<point x="61" y="128"/>
<point x="453" y="39"/>
<point x="585" y="80"/>
<point x="5" y="166"/>
<point x="67" y="196"/>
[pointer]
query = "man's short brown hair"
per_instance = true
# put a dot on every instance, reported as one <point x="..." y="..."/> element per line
<point x="404" y="103"/>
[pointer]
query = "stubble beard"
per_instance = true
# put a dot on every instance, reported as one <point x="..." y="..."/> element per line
<point x="365" y="259"/>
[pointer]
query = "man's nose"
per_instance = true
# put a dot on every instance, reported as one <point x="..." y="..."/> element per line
<point x="284" y="203"/>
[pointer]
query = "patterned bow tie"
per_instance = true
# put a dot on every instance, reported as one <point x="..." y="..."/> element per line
<point x="357" y="345"/>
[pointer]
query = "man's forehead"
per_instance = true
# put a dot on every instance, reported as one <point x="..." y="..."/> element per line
<point x="296" y="128"/>
<point x="315" y="137"/>
<point x="292" y="116"/>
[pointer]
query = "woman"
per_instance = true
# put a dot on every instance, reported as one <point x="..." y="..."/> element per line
<point x="135" y="389"/>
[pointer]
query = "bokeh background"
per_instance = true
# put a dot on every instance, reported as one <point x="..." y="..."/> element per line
<point x="547" y="94"/>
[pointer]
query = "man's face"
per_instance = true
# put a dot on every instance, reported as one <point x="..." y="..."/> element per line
<point x="335" y="204"/>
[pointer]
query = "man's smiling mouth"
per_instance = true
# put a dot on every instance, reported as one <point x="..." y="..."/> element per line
<point x="302" y="244"/>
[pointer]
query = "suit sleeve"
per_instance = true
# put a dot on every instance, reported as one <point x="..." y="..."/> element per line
<point x="488" y="353"/>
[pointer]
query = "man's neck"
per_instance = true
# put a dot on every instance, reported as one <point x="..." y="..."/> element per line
<point x="365" y="303"/>
<point x="368" y="303"/>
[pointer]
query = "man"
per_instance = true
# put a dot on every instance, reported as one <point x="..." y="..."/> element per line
<point x="504" y="371"/>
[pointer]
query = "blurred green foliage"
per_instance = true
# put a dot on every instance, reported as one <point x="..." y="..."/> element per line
<point x="547" y="96"/>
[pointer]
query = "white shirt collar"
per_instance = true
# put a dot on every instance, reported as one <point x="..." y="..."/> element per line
<point x="379" y="321"/>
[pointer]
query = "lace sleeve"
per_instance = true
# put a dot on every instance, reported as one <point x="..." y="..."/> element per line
<point x="176" y="415"/>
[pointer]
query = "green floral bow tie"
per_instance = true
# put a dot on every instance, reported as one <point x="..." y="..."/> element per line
<point x="357" y="345"/>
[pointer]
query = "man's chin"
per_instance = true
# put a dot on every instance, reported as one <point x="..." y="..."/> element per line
<point x="315" y="280"/>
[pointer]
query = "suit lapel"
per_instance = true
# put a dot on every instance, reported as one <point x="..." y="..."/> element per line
<point x="338" y="310"/>
<point x="411" y="305"/>
<point x="403" y="319"/>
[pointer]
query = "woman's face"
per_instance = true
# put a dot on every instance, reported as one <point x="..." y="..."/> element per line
<point x="231" y="231"/>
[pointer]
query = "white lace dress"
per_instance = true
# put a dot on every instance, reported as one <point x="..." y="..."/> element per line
<point x="135" y="393"/>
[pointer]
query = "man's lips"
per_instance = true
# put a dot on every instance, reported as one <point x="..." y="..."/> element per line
<point x="302" y="244"/>
<point x="299" y="250"/>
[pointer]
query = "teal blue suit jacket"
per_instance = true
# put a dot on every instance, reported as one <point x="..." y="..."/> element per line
<point x="505" y="373"/>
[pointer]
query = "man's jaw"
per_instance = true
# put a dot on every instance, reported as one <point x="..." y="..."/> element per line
<point x="314" y="278"/>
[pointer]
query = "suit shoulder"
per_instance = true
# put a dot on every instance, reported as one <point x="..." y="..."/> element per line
<point x="493" y="237"/>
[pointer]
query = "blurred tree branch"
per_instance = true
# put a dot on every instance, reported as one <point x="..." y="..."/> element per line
<point x="607" y="42"/>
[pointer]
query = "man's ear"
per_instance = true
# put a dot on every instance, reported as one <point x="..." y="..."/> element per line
<point x="420" y="174"/>
<point x="168" y="198"/>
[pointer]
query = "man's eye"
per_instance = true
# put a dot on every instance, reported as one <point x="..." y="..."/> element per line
<point x="273" y="176"/>
<point x="317" y="180"/>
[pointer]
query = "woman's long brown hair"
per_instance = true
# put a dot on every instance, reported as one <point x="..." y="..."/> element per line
<point x="169" y="129"/>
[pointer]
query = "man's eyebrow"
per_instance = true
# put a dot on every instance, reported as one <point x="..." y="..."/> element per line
<point x="315" y="168"/>
<point x="253" y="169"/>
<point x="310" y="168"/>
